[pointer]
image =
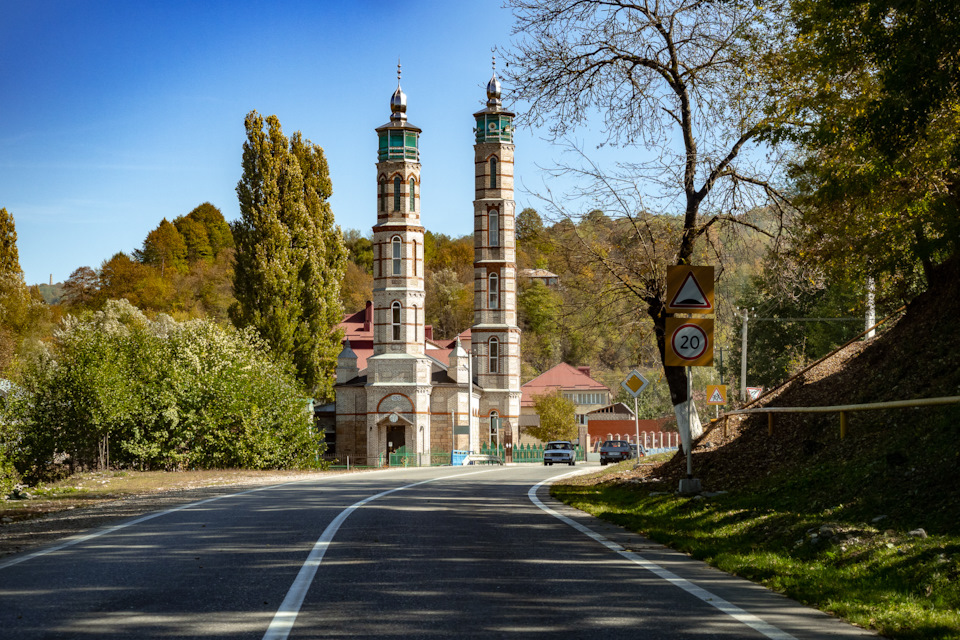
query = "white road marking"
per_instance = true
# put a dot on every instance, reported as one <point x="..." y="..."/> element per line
<point x="286" y="615"/>
<point x="69" y="542"/>
<point x="728" y="608"/>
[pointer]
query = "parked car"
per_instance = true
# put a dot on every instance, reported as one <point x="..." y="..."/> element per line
<point x="633" y="450"/>
<point x="615" y="451"/>
<point x="559" y="452"/>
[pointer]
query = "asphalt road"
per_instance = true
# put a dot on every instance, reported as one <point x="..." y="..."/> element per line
<point x="430" y="553"/>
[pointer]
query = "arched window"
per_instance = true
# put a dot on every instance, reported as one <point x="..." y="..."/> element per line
<point x="493" y="354"/>
<point x="413" y="256"/>
<point x="395" y="320"/>
<point x="413" y="195"/>
<point x="493" y="290"/>
<point x="396" y="193"/>
<point x="494" y="228"/>
<point x="493" y="172"/>
<point x="494" y="423"/>
<point x="382" y="205"/>
<point x="397" y="258"/>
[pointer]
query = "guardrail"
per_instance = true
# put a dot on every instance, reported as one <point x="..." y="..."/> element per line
<point x="842" y="409"/>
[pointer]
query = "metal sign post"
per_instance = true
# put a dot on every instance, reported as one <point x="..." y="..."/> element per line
<point x="635" y="383"/>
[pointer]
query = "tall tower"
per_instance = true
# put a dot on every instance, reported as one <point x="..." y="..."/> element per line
<point x="398" y="373"/>
<point x="495" y="340"/>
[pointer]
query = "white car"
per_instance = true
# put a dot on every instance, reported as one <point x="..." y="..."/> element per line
<point x="559" y="452"/>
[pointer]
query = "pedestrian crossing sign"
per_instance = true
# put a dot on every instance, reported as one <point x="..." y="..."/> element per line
<point x="717" y="394"/>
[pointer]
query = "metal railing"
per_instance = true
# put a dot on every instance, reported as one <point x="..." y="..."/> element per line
<point x="842" y="409"/>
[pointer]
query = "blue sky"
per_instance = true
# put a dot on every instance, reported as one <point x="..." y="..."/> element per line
<point x="117" y="114"/>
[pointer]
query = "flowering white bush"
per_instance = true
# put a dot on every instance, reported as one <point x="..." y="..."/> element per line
<point x="160" y="394"/>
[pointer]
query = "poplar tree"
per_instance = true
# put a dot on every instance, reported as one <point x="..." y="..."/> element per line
<point x="290" y="255"/>
<point x="9" y="257"/>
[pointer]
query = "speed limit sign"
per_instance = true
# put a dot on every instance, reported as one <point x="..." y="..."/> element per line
<point x="689" y="342"/>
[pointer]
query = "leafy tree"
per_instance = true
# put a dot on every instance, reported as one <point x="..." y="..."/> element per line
<point x="357" y="287"/>
<point x="81" y="288"/>
<point x="195" y="238"/>
<point x="217" y="229"/>
<point x="164" y="249"/>
<point x="9" y="257"/>
<point x="360" y="248"/>
<point x="123" y="277"/>
<point x="449" y="306"/>
<point x="677" y="79"/>
<point x="206" y="291"/>
<point x="874" y="115"/>
<point x="539" y="310"/>
<point x="290" y="256"/>
<point x="158" y="394"/>
<point x="557" y="418"/>
<point x="448" y="266"/>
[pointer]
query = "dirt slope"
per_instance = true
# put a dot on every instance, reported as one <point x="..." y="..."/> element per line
<point x="906" y="459"/>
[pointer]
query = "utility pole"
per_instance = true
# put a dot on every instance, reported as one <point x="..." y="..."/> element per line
<point x="743" y="359"/>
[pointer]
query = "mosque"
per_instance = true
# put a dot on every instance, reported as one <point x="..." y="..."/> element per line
<point x="397" y="386"/>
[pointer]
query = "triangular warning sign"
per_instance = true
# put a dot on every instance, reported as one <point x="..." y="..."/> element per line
<point x="717" y="397"/>
<point x="690" y="295"/>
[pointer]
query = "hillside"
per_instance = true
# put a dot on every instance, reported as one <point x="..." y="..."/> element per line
<point x="897" y="463"/>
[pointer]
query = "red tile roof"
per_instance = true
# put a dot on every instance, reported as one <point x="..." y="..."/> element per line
<point x="563" y="376"/>
<point x="358" y="328"/>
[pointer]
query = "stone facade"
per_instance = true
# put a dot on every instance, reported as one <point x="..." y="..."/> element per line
<point x="411" y="391"/>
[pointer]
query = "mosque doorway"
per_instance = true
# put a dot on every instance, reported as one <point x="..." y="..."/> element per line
<point x="396" y="438"/>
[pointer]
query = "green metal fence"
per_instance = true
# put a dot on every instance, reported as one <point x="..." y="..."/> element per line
<point x="525" y="452"/>
<point x="403" y="457"/>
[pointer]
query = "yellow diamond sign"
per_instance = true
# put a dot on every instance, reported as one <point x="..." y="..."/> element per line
<point x="634" y="383"/>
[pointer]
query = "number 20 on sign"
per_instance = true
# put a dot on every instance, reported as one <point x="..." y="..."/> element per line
<point x="689" y="342"/>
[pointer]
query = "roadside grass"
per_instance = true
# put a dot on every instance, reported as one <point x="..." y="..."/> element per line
<point x="831" y="557"/>
<point x="91" y="488"/>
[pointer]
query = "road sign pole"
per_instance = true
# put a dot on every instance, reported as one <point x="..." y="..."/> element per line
<point x="689" y="423"/>
<point x="743" y="360"/>
<point x="636" y="424"/>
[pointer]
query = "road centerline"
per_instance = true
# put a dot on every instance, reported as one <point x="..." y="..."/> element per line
<point x="286" y="615"/>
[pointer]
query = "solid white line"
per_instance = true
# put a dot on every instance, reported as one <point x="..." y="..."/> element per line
<point x="728" y="608"/>
<point x="286" y="615"/>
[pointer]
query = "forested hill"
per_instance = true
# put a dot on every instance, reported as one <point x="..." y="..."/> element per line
<point x="900" y="462"/>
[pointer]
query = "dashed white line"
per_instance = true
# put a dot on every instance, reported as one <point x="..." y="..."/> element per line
<point x="286" y="615"/>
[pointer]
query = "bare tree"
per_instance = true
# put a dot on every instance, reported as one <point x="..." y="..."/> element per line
<point x="680" y="82"/>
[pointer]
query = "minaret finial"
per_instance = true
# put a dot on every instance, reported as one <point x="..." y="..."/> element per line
<point x="493" y="87"/>
<point x="398" y="102"/>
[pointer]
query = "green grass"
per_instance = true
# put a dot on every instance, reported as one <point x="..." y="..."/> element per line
<point x="878" y="577"/>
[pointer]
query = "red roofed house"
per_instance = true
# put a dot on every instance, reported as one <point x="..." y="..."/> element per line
<point x="576" y="384"/>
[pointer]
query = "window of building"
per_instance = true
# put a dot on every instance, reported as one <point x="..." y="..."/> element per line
<point x="413" y="195"/>
<point x="493" y="172"/>
<point x="494" y="239"/>
<point x="382" y="204"/>
<point x="395" y="320"/>
<point x="413" y="244"/>
<point x="396" y="193"/>
<point x="494" y="290"/>
<point x="494" y="355"/>
<point x="494" y="423"/>
<point x="396" y="255"/>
